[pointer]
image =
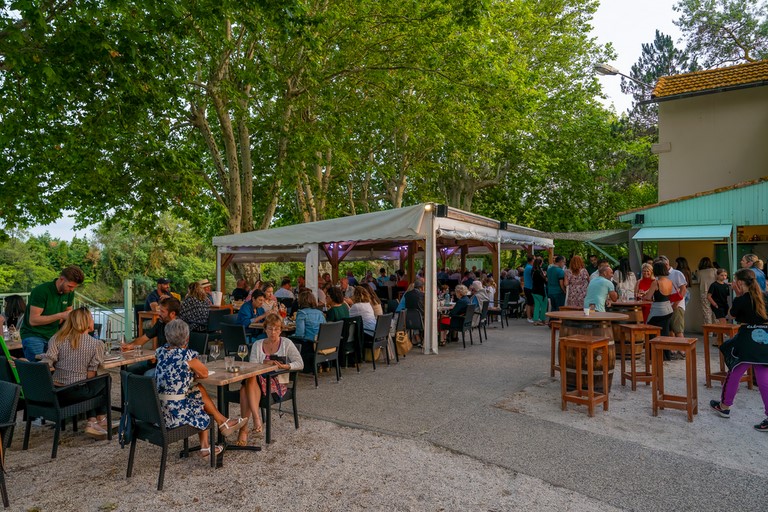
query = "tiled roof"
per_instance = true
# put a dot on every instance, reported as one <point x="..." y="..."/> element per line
<point x="751" y="73"/>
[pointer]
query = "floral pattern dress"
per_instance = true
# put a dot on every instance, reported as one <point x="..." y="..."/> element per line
<point x="180" y="398"/>
<point x="577" y="287"/>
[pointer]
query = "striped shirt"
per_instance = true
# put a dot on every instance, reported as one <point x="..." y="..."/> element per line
<point x="70" y="365"/>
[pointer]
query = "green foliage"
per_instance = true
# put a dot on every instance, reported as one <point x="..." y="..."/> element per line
<point x="724" y="32"/>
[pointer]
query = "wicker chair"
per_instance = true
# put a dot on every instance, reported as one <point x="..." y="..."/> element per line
<point x="380" y="338"/>
<point x="148" y="423"/>
<point x="43" y="400"/>
<point x="9" y="397"/>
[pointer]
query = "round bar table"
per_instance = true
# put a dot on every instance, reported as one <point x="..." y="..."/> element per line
<point x="594" y="324"/>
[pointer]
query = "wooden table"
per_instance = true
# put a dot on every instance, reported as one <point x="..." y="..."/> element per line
<point x="228" y="307"/>
<point x="13" y="345"/>
<point x="595" y="324"/>
<point x="286" y="327"/>
<point x="127" y="358"/>
<point x="221" y="378"/>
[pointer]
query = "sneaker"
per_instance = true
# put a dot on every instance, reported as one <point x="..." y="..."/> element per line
<point x="762" y="426"/>
<point x="95" y="430"/>
<point x="726" y="413"/>
<point x="530" y="321"/>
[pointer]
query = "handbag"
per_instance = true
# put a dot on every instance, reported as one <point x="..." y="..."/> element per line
<point x="125" y="430"/>
<point x="403" y="343"/>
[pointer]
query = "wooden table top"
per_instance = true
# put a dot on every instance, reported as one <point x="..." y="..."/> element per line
<point x="13" y="345"/>
<point x="286" y="327"/>
<point x="579" y="316"/>
<point x="127" y="358"/>
<point x="221" y="377"/>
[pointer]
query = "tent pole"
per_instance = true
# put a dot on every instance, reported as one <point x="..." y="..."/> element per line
<point x="311" y="264"/>
<point x="219" y="271"/>
<point x="430" y="285"/>
<point x="497" y="270"/>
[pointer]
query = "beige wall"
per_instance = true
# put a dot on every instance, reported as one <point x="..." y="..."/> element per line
<point x="715" y="140"/>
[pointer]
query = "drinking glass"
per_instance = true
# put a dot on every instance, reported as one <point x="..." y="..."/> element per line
<point x="242" y="351"/>
<point x="214" y="352"/>
<point x="108" y="347"/>
<point x="229" y="362"/>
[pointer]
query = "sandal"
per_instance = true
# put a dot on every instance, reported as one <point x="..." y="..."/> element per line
<point x="258" y="429"/>
<point x="206" y="452"/>
<point x="226" y="429"/>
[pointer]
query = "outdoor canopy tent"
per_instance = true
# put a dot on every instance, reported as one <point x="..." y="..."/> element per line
<point x="435" y="230"/>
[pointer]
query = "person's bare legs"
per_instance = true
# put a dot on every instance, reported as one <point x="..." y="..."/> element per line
<point x="210" y="408"/>
<point x="250" y="396"/>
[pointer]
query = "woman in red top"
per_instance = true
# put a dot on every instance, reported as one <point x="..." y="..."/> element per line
<point x="642" y="286"/>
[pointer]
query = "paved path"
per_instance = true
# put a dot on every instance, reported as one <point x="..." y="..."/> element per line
<point x="449" y="400"/>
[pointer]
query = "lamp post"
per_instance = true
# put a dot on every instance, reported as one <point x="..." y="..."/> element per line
<point x="607" y="69"/>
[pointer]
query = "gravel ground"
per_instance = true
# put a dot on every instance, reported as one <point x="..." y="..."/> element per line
<point x="321" y="466"/>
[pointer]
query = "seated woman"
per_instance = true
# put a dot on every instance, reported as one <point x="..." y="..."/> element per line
<point x="455" y="318"/>
<point x="308" y="318"/>
<point x="337" y="308"/>
<point x="361" y="306"/>
<point x="270" y="301"/>
<point x="195" y="308"/>
<point x="378" y="310"/>
<point x="75" y="356"/>
<point x="13" y="314"/>
<point x="274" y="350"/>
<point x="182" y="400"/>
<point x="252" y="311"/>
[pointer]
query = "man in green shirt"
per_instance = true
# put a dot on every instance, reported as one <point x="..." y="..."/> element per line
<point x="48" y="306"/>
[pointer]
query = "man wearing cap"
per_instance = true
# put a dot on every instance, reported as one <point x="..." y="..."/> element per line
<point x="162" y="291"/>
<point x="49" y="305"/>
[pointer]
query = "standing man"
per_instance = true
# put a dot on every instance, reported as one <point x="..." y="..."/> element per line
<point x="592" y="265"/>
<point x="677" y="322"/>
<point x="49" y="305"/>
<point x="162" y="291"/>
<point x="556" y="283"/>
<point x="601" y="289"/>
<point x="528" y="288"/>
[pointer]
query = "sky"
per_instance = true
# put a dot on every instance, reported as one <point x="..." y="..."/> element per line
<point x="627" y="24"/>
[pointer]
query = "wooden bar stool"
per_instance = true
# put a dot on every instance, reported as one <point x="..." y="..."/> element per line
<point x="661" y="400"/>
<point x="554" y="326"/>
<point x="720" y="331"/>
<point x="585" y="347"/>
<point x="629" y="337"/>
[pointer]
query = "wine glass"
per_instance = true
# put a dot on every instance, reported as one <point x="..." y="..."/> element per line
<point x="242" y="351"/>
<point x="214" y="352"/>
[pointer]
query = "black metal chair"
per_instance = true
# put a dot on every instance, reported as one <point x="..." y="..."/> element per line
<point x="9" y="398"/>
<point x="148" y="423"/>
<point x="198" y="341"/>
<point x="232" y="336"/>
<point x="380" y="338"/>
<point x="352" y="340"/>
<point x="502" y="311"/>
<point x="466" y="325"/>
<point x="266" y="402"/>
<point x="327" y="347"/>
<point x="43" y="400"/>
<point x="483" y="321"/>
<point x="215" y="318"/>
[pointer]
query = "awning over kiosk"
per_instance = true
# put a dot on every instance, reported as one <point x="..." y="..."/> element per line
<point x="712" y="232"/>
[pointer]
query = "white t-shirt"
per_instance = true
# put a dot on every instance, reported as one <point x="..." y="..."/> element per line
<point x="678" y="279"/>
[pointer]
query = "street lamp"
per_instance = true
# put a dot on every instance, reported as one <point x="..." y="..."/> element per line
<point x="607" y="69"/>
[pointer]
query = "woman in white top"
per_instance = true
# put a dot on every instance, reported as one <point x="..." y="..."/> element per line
<point x="361" y="306"/>
<point x="625" y="280"/>
<point x="707" y="274"/>
<point x="274" y="350"/>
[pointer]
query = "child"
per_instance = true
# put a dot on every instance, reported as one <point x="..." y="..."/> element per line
<point x="718" y="295"/>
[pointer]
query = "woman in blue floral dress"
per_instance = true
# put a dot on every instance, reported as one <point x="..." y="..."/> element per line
<point x="183" y="401"/>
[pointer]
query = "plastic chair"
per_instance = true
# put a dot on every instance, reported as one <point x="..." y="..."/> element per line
<point x="380" y="338"/>
<point x="9" y="398"/>
<point x="414" y="321"/>
<point x="327" y="346"/>
<point x="43" y="400"/>
<point x="352" y="340"/>
<point x="502" y="311"/>
<point x="466" y="325"/>
<point x="148" y="423"/>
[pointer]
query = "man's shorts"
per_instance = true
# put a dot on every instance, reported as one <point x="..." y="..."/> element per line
<point x="528" y="297"/>
<point x="677" y="322"/>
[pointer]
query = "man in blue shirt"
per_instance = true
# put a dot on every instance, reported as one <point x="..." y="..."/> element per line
<point x="600" y="289"/>
<point x="556" y="283"/>
<point x="528" y="288"/>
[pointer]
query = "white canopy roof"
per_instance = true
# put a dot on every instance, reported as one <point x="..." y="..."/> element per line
<point x="401" y="224"/>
